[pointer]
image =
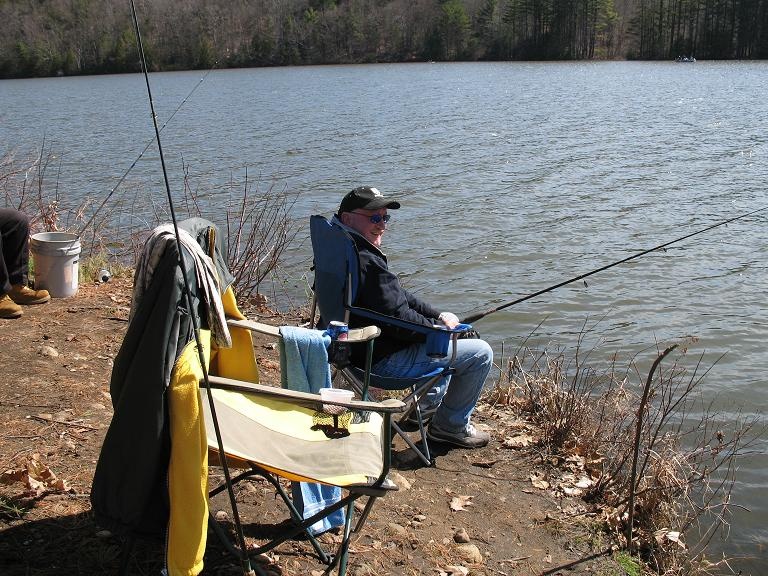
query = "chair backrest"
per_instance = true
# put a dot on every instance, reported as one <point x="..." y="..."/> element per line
<point x="336" y="269"/>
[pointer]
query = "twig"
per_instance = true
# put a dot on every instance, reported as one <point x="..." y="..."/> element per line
<point x="55" y="421"/>
<point x="16" y="405"/>
<point x="20" y="452"/>
<point x="516" y="559"/>
<point x="636" y="449"/>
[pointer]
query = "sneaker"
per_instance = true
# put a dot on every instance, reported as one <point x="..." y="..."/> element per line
<point x="23" y="295"/>
<point x="9" y="308"/>
<point x="470" y="437"/>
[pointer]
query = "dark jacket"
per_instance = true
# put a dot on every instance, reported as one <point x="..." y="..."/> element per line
<point x="129" y="487"/>
<point x="380" y="290"/>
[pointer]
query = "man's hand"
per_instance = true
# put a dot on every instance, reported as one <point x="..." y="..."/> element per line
<point x="449" y="319"/>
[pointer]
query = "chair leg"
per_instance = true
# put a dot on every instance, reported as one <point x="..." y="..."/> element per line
<point x="413" y="397"/>
<point x="423" y="433"/>
<point x="365" y="513"/>
<point x="424" y="456"/>
<point x="249" y="569"/>
<point x="325" y="558"/>
<point x="342" y="556"/>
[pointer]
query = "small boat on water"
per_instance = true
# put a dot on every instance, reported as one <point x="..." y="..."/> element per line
<point x="688" y="59"/>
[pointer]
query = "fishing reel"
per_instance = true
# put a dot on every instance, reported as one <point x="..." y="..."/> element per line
<point x="469" y="334"/>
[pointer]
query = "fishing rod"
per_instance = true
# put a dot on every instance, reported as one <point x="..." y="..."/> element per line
<point x="244" y="558"/>
<point x="141" y="155"/>
<point x="475" y="317"/>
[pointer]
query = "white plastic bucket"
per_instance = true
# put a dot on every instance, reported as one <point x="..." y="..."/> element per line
<point x="56" y="256"/>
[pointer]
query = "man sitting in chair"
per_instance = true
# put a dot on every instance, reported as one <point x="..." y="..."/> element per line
<point x="402" y="353"/>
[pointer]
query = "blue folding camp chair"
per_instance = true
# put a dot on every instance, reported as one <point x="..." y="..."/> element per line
<point x="336" y="268"/>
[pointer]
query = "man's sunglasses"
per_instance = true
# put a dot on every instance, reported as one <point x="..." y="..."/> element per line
<point x="376" y="218"/>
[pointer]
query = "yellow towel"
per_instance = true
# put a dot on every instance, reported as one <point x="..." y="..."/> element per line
<point x="188" y="466"/>
<point x="237" y="362"/>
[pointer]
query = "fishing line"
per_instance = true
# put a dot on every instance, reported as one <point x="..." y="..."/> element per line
<point x="475" y="317"/>
<point x="152" y="141"/>
<point x="244" y="559"/>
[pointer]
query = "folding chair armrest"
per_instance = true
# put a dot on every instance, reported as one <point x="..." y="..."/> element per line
<point x="355" y="334"/>
<point x="437" y="337"/>
<point x="255" y="326"/>
<point x="390" y="405"/>
<point x="363" y="334"/>
<point x="392" y="321"/>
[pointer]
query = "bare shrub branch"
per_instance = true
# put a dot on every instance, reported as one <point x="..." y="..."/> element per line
<point x="661" y="460"/>
<point x="26" y="184"/>
<point x="259" y="229"/>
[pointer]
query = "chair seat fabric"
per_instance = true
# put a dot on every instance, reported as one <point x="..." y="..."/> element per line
<point x="287" y="443"/>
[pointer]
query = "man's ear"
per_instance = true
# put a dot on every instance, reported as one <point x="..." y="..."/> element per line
<point x="344" y="217"/>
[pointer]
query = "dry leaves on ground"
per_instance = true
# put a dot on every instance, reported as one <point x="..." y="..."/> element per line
<point x="36" y="477"/>
<point x="460" y="503"/>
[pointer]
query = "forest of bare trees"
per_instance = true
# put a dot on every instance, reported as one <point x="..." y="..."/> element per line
<point x="64" y="37"/>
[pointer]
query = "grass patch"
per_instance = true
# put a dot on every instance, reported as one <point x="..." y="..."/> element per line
<point x="90" y="268"/>
<point x="630" y="565"/>
<point x="12" y="509"/>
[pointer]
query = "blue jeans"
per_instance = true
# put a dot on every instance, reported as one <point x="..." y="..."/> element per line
<point x="456" y="395"/>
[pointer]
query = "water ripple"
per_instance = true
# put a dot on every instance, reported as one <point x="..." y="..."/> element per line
<point x="514" y="176"/>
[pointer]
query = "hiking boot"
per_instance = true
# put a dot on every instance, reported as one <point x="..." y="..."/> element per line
<point x="23" y="295"/>
<point x="9" y="308"/>
<point x="470" y="437"/>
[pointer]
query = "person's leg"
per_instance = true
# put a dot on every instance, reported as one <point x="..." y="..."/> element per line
<point x="474" y="359"/>
<point x="14" y="252"/>
<point x="412" y="362"/>
<point x="14" y="229"/>
<point x="13" y="226"/>
<point x="5" y="286"/>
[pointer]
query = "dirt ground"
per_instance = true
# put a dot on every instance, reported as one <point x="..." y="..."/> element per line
<point x="55" y="407"/>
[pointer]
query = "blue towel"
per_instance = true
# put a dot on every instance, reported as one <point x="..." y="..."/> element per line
<point x="304" y="359"/>
<point x="304" y="367"/>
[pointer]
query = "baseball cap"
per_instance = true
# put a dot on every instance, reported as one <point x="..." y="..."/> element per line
<point x="367" y="198"/>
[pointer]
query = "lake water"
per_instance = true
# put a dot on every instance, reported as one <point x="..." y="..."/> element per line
<point x="513" y="177"/>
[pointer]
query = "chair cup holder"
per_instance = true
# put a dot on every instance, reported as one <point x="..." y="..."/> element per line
<point x="339" y="353"/>
<point x="335" y="395"/>
<point x="331" y="419"/>
<point x="437" y="343"/>
<point x="333" y="410"/>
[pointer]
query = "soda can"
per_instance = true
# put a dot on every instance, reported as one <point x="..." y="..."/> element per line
<point x="338" y="330"/>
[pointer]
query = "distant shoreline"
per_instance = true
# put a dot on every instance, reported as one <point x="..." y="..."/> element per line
<point x="562" y="61"/>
